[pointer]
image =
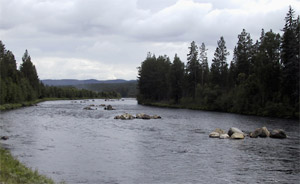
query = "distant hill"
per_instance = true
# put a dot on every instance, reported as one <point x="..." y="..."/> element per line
<point x="126" y="88"/>
<point x="74" y="82"/>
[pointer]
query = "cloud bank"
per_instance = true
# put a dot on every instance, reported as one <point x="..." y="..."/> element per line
<point x="104" y="39"/>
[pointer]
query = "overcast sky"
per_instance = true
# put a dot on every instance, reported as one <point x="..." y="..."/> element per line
<point x="108" y="39"/>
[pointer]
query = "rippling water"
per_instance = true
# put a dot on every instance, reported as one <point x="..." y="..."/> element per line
<point x="70" y="144"/>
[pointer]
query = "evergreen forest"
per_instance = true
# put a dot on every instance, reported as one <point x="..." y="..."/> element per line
<point x="23" y="84"/>
<point x="262" y="78"/>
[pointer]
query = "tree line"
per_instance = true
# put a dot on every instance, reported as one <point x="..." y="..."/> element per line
<point x="261" y="79"/>
<point x="126" y="89"/>
<point x="23" y="85"/>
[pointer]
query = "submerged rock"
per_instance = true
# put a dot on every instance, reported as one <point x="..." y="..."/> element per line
<point x="88" y="108"/>
<point x="278" y="133"/>
<point x="214" y="135"/>
<point x="4" y="138"/>
<point x="155" y="117"/>
<point x="109" y="107"/>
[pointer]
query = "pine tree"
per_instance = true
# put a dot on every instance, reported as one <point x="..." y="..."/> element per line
<point x="290" y="57"/>
<point x="176" y="79"/>
<point x="153" y="81"/>
<point x="203" y="64"/>
<point x="243" y="54"/>
<point x="29" y="72"/>
<point x="267" y="65"/>
<point x="193" y="68"/>
<point x="219" y="66"/>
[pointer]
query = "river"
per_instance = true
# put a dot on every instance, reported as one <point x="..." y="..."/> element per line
<point x="68" y="143"/>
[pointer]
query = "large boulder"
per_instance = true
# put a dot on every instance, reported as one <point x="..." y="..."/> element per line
<point x="214" y="135"/>
<point x="233" y="130"/>
<point x="264" y="132"/>
<point x="278" y="133"/>
<point x="255" y="133"/>
<point x="260" y="132"/>
<point x="237" y="135"/>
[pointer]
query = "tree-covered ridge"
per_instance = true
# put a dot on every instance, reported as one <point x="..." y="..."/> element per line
<point x="262" y="78"/>
<point x="23" y="85"/>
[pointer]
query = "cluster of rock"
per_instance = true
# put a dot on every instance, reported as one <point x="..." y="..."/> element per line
<point x="127" y="116"/>
<point x="264" y="132"/>
<point x="90" y="107"/>
<point x="94" y="107"/>
<point x="145" y="116"/>
<point x="235" y="133"/>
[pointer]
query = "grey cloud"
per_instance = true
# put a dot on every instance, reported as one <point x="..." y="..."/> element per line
<point x="121" y="32"/>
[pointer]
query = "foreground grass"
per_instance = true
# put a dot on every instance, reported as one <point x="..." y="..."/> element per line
<point x="12" y="171"/>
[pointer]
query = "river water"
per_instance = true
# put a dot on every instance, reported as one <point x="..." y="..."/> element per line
<point x="68" y="143"/>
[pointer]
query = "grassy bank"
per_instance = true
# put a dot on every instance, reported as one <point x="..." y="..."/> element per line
<point x="12" y="171"/>
<point x="196" y="107"/>
<point x="4" y="107"/>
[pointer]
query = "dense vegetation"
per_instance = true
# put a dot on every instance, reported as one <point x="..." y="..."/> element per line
<point x="23" y="85"/>
<point x="262" y="78"/>
<point x="125" y="89"/>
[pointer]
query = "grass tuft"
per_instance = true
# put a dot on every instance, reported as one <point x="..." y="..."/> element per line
<point x="14" y="172"/>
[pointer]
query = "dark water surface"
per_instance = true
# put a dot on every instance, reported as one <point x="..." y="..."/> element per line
<point x="70" y="144"/>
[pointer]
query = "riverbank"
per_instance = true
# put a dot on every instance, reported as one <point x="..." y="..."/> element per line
<point x="195" y="107"/>
<point x="26" y="104"/>
<point x="12" y="171"/>
<point x="5" y="107"/>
